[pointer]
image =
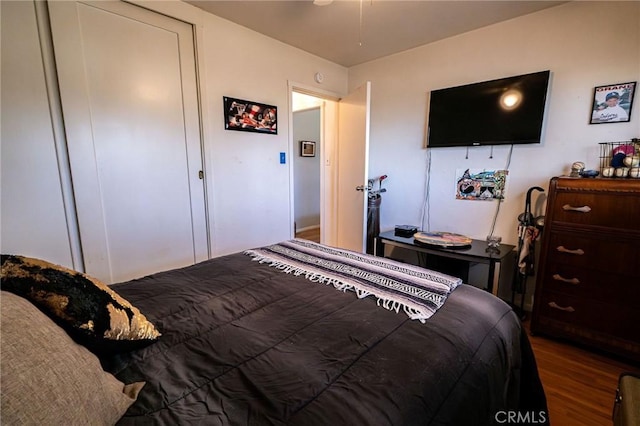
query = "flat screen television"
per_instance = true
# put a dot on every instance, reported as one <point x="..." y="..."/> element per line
<point x="497" y="112"/>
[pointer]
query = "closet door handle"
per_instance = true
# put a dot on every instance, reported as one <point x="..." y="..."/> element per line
<point x="582" y="209"/>
<point x="563" y="249"/>
<point x="559" y="277"/>
<point x="554" y="305"/>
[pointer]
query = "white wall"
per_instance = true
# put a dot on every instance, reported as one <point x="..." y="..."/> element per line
<point x="306" y="170"/>
<point x="584" y="44"/>
<point x="33" y="216"/>
<point x="248" y="190"/>
<point x="248" y="187"/>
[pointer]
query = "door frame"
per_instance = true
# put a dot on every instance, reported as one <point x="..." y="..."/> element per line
<point x="198" y="136"/>
<point x="183" y="12"/>
<point x="328" y="159"/>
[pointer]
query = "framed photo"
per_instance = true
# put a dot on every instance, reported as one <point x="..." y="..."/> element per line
<point x="249" y="116"/>
<point x="612" y="103"/>
<point x="307" y="149"/>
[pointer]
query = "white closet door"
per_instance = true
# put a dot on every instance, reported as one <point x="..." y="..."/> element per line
<point x="129" y="98"/>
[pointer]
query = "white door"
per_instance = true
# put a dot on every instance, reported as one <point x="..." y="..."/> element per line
<point x="129" y="97"/>
<point x="353" y="164"/>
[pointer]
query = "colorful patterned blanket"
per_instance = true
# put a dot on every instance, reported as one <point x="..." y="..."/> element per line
<point x="417" y="291"/>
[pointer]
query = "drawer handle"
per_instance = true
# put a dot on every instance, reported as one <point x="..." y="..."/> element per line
<point x="562" y="249"/>
<point x="559" y="277"/>
<point x="554" y="305"/>
<point x="583" y="209"/>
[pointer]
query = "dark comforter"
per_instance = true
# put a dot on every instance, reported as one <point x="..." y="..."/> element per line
<point x="246" y="344"/>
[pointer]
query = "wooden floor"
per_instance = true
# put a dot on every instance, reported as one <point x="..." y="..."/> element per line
<point x="311" y="234"/>
<point x="580" y="385"/>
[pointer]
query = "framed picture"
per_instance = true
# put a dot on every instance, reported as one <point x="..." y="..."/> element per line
<point x="307" y="149"/>
<point x="481" y="184"/>
<point x="249" y="116"/>
<point x="612" y="103"/>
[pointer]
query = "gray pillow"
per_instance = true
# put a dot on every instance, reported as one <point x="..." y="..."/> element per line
<point x="48" y="379"/>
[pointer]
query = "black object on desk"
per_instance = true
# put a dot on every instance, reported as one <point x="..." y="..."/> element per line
<point x="405" y="230"/>
<point x="448" y="259"/>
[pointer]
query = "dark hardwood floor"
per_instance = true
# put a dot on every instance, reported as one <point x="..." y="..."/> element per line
<point x="580" y="384"/>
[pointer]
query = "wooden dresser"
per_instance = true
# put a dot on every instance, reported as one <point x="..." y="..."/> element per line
<point x="588" y="280"/>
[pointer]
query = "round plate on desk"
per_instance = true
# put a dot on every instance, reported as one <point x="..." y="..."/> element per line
<point x="442" y="239"/>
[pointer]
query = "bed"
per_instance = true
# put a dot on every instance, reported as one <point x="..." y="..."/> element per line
<point x="256" y="338"/>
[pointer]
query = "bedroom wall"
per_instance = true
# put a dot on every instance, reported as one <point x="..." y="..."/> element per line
<point x="584" y="44"/>
<point x="248" y="190"/>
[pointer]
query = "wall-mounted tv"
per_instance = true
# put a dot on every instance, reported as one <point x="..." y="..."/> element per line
<point x="497" y="112"/>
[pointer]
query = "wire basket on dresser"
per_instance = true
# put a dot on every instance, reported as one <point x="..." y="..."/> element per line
<point x="620" y="159"/>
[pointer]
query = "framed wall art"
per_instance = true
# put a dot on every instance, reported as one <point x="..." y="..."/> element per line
<point x="249" y="116"/>
<point x="307" y="149"/>
<point x="612" y="103"/>
<point x="481" y="184"/>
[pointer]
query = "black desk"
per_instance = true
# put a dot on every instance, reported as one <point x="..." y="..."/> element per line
<point x="477" y="252"/>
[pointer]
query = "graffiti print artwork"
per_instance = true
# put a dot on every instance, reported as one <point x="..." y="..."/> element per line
<point x="481" y="184"/>
<point x="248" y="116"/>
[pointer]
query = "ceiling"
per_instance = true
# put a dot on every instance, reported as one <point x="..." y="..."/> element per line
<point x="351" y="32"/>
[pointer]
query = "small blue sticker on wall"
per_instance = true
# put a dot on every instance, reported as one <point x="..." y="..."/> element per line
<point x="283" y="158"/>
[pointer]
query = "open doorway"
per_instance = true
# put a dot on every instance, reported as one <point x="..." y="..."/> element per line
<point x="344" y="152"/>
<point x="307" y="146"/>
<point x="319" y="108"/>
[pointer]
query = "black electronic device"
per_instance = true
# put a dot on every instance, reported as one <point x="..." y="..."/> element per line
<point x="405" y="230"/>
<point x="498" y="112"/>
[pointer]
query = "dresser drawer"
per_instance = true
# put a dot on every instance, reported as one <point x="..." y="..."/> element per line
<point x="611" y="210"/>
<point x="608" y="253"/>
<point x="601" y="286"/>
<point x="615" y="320"/>
<point x="588" y="283"/>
